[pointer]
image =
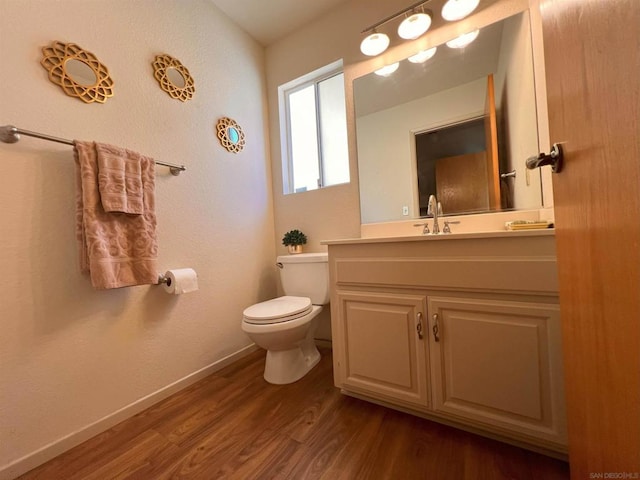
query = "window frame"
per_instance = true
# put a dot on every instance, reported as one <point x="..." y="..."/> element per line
<point x="284" y="91"/>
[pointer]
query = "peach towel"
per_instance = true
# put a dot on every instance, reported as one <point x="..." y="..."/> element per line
<point x="117" y="249"/>
<point x="120" y="179"/>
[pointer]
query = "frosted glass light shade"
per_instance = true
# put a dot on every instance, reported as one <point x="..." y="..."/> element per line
<point x="374" y="44"/>
<point x="458" y="9"/>
<point x="414" y="26"/>
<point x="463" y="40"/>
<point x="423" y="55"/>
<point x="387" y="69"/>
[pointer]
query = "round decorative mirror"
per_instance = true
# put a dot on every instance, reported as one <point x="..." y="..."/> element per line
<point x="173" y="77"/>
<point x="78" y="72"/>
<point x="230" y="135"/>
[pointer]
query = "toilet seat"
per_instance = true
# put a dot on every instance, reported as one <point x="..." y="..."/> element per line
<point x="278" y="310"/>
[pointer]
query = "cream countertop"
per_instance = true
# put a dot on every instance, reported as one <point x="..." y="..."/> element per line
<point x="444" y="237"/>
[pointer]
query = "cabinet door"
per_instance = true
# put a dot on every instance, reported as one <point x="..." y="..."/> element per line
<point x="498" y="363"/>
<point x="381" y="346"/>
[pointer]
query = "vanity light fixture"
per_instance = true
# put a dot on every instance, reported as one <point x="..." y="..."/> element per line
<point x="387" y="69"/>
<point x="423" y="55"/>
<point x="416" y="22"/>
<point x="374" y="44"/>
<point x="414" y="25"/>
<point x="463" y="40"/>
<point x="458" y="9"/>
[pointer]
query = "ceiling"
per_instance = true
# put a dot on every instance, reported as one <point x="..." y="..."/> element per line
<point x="267" y="21"/>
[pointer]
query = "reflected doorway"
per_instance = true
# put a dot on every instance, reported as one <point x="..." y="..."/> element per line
<point x="459" y="163"/>
<point x="451" y="165"/>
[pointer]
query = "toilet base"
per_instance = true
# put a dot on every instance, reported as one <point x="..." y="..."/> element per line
<point x="287" y="366"/>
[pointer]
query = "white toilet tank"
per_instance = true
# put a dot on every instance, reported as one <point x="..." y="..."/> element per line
<point x="306" y="275"/>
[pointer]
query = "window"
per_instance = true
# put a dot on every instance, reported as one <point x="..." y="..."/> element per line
<point x="313" y="123"/>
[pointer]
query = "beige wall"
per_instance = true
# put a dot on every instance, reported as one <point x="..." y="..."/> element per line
<point x="516" y="102"/>
<point x="544" y="141"/>
<point x="334" y="212"/>
<point x="71" y="356"/>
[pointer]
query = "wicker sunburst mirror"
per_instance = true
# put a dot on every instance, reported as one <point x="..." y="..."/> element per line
<point x="173" y="77"/>
<point x="230" y="135"/>
<point x="78" y="72"/>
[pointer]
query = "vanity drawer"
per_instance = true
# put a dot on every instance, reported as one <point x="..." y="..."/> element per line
<point x="524" y="274"/>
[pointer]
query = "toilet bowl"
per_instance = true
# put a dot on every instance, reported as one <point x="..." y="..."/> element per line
<point x="285" y="326"/>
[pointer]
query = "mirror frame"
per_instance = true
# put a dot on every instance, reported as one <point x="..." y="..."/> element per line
<point x="55" y="57"/>
<point x="161" y="66"/>
<point x="223" y="126"/>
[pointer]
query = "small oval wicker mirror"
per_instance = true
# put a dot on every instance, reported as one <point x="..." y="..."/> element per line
<point x="173" y="77"/>
<point x="230" y="135"/>
<point x="78" y="72"/>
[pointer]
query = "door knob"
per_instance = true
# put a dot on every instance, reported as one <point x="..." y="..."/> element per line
<point x="554" y="158"/>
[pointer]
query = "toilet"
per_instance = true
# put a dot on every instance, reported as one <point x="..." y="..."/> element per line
<point x="285" y="326"/>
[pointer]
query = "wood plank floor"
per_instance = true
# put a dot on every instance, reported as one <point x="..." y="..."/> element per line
<point x="234" y="425"/>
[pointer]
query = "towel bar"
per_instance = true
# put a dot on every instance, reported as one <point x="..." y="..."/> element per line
<point x="11" y="134"/>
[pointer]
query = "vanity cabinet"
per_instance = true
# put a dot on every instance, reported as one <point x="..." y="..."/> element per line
<point x="459" y="329"/>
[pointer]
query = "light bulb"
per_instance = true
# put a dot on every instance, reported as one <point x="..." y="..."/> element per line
<point x="374" y="44"/>
<point x="458" y="9"/>
<point x="463" y="40"/>
<point x="414" y="26"/>
<point x="423" y="56"/>
<point x="387" y="69"/>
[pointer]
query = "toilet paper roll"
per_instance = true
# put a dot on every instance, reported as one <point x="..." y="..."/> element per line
<point x="181" y="280"/>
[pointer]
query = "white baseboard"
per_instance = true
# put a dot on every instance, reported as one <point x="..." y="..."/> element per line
<point x="52" y="450"/>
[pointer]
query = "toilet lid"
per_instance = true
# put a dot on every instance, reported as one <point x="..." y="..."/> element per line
<point x="279" y="309"/>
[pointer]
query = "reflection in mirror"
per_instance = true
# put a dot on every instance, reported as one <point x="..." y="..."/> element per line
<point x="80" y="72"/>
<point x="176" y="77"/>
<point x="428" y="129"/>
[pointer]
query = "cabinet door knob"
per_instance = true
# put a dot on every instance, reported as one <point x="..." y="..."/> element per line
<point x="435" y="329"/>
<point x="419" y="325"/>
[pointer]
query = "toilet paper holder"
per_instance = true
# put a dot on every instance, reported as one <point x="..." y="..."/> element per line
<point x="178" y="281"/>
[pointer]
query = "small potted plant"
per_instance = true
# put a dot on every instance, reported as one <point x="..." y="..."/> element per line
<point x="294" y="239"/>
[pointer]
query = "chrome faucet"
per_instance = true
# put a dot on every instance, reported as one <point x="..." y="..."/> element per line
<point x="434" y="209"/>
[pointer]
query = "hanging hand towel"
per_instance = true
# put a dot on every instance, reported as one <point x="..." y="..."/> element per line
<point x="120" y="179"/>
<point x="118" y="250"/>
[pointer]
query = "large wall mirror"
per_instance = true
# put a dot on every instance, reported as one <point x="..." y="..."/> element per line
<point x="459" y="125"/>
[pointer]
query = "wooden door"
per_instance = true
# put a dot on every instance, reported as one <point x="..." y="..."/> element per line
<point x="462" y="184"/>
<point x="592" y="64"/>
<point x="491" y="141"/>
